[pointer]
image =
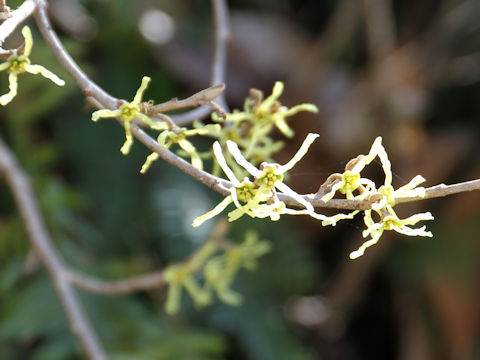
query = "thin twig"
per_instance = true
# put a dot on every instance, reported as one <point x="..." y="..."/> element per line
<point x="148" y="281"/>
<point x="5" y="12"/>
<point x="43" y="246"/>
<point x="88" y="87"/>
<point x="219" y="64"/>
<point x="124" y="286"/>
<point x="203" y="96"/>
<point x="445" y="190"/>
<point x="16" y="18"/>
<point x="380" y="27"/>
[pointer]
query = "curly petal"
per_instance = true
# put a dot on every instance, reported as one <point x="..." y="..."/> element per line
<point x="240" y="159"/>
<point x="301" y="107"/>
<point x="125" y="149"/>
<point x="4" y="66"/>
<point x="269" y="101"/>
<point x="104" y="113"/>
<point x="214" y="212"/>
<point x="39" y="69"/>
<point x="149" y="161"/>
<point x="174" y="297"/>
<point x="13" y="85"/>
<point x="299" y="155"/>
<point x="27" y="34"/>
<point x="361" y="250"/>
<point x="217" y="151"/>
<point x="139" y="94"/>
<point x="192" y="151"/>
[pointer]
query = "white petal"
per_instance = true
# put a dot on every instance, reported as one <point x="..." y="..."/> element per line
<point x="215" y="211"/>
<point x="412" y="220"/>
<point x="235" y="151"/>
<point x="217" y="150"/>
<point x="287" y="191"/>
<point x="413" y="232"/>
<point x="300" y="154"/>
<point x="361" y="250"/>
<point x="417" y="180"/>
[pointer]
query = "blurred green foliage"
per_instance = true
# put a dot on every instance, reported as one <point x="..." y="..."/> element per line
<point x="110" y="221"/>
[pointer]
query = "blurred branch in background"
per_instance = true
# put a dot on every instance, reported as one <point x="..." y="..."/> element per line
<point x="407" y="70"/>
<point x="45" y="249"/>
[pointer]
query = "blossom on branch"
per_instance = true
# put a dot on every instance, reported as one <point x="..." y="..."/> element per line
<point x="128" y="112"/>
<point x="221" y="271"/>
<point x="390" y="222"/>
<point x="268" y="113"/>
<point x="179" y="136"/>
<point x="19" y="64"/>
<point x="182" y="275"/>
<point x="351" y="181"/>
<point x="258" y="197"/>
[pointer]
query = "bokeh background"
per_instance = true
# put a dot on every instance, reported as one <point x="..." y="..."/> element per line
<point x="407" y="70"/>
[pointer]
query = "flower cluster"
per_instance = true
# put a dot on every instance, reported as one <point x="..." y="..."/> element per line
<point x="350" y="183"/>
<point x="218" y="267"/>
<point x="258" y="198"/>
<point x="245" y="134"/>
<point x="19" y="64"/>
<point x="250" y="128"/>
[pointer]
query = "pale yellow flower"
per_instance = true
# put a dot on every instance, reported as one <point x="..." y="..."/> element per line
<point x="391" y="222"/>
<point x="128" y="112"/>
<point x="258" y="197"/>
<point x="19" y="64"/>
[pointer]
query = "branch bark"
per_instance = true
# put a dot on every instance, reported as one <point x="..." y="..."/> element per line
<point x="219" y="64"/>
<point x="43" y="246"/>
<point x="16" y="18"/>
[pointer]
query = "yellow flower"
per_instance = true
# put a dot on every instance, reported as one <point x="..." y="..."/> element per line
<point x="390" y="222"/>
<point x="259" y="196"/>
<point x="128" y="112"/>
<point x="384" y="207"/>
<point x="179" y="136"/>
<point x="181" y="275"/>
<point x="19" y="64"/>
<point x="221" y="271"/>
<point x="270" y="111"/>
<point x="240" y="191"/>
<point x="351" y="180"/>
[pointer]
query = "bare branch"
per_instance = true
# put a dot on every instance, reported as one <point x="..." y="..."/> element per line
<point x="445" y="190"/>
<point x="5" y="12"/>
<point x="136" y="283"/>
<point x="44" y="248"/>
<point x="124" y="286"/>
<point x="380" y="27"/>
<point x="16" y="18"/>
<point x="219" y="64"/>
<point x="202" y="97"/>
<point x="83" y="81"/>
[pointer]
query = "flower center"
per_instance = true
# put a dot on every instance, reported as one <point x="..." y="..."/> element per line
<point x="390" y="222"/>
<point x="245" y="193"/>
<point x="17" y="64"/>
<point x="350" y="180"/>
<point x="388" y="192"/>
<point x="128" y="111"/>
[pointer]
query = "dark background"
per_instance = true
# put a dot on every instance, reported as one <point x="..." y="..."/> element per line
<point x="406" y="70"/>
